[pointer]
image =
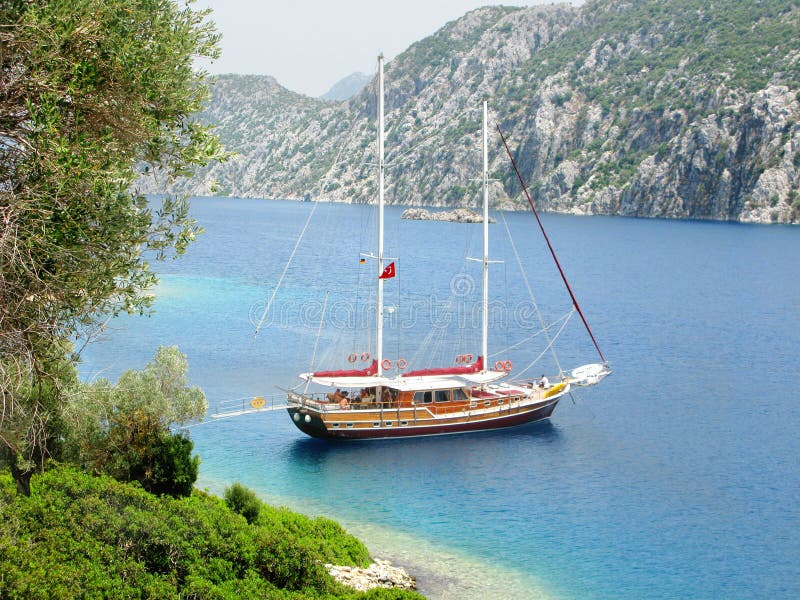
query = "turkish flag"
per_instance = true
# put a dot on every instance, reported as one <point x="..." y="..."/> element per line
<point x="388" y="272"/>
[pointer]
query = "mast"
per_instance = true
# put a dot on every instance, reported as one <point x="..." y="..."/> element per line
<point x="485" y="307"/>
<point x="379" y="316"/>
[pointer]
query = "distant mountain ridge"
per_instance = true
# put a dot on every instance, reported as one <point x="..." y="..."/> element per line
<point x="671" y="108"/>
<point x="347" y="87"/>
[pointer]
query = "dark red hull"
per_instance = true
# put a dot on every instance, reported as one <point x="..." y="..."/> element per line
<point x="316" y="428"/>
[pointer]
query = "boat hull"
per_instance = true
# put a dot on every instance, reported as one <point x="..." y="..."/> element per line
<point x="311" y="423"/>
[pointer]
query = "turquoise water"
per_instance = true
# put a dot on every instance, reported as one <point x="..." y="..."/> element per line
<point x="676" y="477"/>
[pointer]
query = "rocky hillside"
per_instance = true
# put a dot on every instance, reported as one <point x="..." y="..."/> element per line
<point x="652" y="108"/>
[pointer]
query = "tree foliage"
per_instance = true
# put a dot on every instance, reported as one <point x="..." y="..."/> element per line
<point x="126" y="429"/>
<point x="92" y="94"/>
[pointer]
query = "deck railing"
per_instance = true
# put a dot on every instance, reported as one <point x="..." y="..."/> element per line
<point x="319" y="401"/>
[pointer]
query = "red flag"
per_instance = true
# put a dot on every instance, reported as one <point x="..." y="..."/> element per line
<point x="388" y="272"/>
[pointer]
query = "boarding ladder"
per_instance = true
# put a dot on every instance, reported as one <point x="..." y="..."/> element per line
<point x="225" y="409"/>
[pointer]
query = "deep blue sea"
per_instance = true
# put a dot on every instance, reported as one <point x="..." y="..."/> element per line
<point x="676" y="477"/>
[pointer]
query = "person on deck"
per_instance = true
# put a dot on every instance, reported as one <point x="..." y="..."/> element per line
<point x="544" y="383"/>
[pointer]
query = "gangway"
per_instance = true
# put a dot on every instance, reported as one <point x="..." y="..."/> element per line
<point x="225" y="409"/>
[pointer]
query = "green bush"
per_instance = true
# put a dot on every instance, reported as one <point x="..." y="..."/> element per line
<point x="174" y="468"/>
<point x="93" y="537"/>
<point x="243" y="501"/>
<point x="325" y="536"/>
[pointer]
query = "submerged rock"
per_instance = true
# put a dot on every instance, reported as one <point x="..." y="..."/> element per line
<point x="458" y="215"/>
<point x="381" y="573"/>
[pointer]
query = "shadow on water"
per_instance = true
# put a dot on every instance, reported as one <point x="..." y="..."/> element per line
<point x="421" y="451"/>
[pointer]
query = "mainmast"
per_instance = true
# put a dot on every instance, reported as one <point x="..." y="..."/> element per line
<point x="379" y="328"/>
<point x="485" y="307"/>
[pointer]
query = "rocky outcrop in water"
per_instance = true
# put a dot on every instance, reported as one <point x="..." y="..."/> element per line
<point x="458" y="215"/>
<point x="669" y="109"/>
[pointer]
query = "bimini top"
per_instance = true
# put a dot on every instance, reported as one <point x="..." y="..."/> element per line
<point x="425" y="379"/>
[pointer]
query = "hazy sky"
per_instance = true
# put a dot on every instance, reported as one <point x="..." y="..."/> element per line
<point x="310" y="45"/>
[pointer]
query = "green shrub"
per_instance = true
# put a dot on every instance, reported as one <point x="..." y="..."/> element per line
<point x="174" y="468"/>
<point x="94" y="537"/>
<point x="243" y="501"/>
<point x="327" y="537"/>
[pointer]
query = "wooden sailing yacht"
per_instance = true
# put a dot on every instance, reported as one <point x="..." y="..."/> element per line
<point x="369" y="404"/>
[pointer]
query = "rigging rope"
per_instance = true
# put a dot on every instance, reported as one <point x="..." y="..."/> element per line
<point x="555" y="337"/>
<point x="316" y="342"/>
<point x="545" y="328"/>
<point x="285" y="269"/>
<point x="323" y="187"/>
<point x="549" y="245"/>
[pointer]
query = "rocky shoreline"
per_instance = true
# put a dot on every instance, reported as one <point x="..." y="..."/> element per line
<point x="381" y="573"/>
<point x="458" y="215"/>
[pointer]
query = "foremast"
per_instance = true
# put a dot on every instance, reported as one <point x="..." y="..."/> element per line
<point x="381" y="166"/>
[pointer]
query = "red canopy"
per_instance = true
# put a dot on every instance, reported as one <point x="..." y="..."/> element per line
<point x="475" y="367"/>
<point x="370" y="370"/>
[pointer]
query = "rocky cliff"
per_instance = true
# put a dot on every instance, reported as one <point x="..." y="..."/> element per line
<point x="671" y="108"/>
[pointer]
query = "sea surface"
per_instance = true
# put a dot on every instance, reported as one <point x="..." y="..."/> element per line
<point x="676" y="477"/>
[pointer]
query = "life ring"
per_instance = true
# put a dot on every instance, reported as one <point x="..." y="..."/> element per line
<point x="459" y="359"/>
<point x="498" y="366"/>
<point x="468" y="359"/>
<point x="507" y="366"/>
<point x="364" y="356"/>
<point x="401" y="363"/>
<point x="386" y="364"/>
<point x="352" y="358"/>
<point x="343" y="403"/>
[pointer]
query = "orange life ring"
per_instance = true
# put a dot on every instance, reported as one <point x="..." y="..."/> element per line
<point x="498" y="366"/>
<point x="402" y="363"/>
<point x="459" y="359"/>
<point x="352" y="358"/>
<point x="508" y="365"/>
<point x="468" y="359"/>
<point x="386" y="364"/>
<point x="343" y="403"/>
<point x="364" y="356"/>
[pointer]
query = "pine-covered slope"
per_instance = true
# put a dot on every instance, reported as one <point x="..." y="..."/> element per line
<point x="671" y="108"/>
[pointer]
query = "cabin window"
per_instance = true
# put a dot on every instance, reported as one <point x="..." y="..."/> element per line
<point x="335" y="425"/>
<point x="442" y="395"/>
<point x="350" y="425"/>
<point x="388" y="423"/>
<point x="423" y="397"/>
<point x="376" y="424"/>
<point x="403" y="423"/>
<point x="459" y="395"/>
